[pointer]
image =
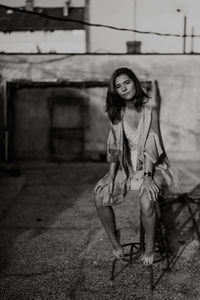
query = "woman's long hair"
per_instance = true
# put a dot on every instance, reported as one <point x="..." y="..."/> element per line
<point x="114" y="103"/>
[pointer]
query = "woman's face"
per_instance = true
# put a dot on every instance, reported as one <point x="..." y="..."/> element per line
<point x="125" y="87"/>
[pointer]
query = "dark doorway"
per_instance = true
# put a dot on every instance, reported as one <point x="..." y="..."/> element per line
<point x="67" y="126"/>
<point x="46" y="121"/>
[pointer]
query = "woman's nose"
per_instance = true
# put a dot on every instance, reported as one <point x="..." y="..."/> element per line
<point x="123" y="87"/>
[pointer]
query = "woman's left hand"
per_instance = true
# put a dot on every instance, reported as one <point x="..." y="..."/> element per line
<point x="150" y="187"/>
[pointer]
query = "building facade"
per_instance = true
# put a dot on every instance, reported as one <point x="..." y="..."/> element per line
<point x="25" y="31"/>
<point x="53" y="106"/>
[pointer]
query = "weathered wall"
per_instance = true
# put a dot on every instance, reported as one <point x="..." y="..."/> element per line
<point x="43" y="42"/>
<point x="177" y="76"/>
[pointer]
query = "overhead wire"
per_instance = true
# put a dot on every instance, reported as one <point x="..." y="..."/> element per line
<point x="64" y="19"/>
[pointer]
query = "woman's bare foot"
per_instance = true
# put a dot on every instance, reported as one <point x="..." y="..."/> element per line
<point x="147" y="258"/>
<point x="118" y="252"/>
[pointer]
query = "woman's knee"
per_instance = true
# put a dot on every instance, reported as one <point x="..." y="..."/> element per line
<point x="98" y="200"/>
<point x="147" y="205"/>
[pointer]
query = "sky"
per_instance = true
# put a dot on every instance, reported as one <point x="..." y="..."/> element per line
<point x="151" y="15"/>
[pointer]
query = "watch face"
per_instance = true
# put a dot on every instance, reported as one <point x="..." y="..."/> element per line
<point x="147" y="174"/>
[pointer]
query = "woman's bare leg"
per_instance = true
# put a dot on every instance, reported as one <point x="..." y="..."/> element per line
<point x="107" y="218"/>
<point x="148" y="220"/>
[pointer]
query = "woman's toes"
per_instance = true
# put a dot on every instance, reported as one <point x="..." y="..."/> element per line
<point x="146" y="260"/>
<point x="118" y="253"/>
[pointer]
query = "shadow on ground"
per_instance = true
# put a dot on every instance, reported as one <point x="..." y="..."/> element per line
<point x="54" y="247"/>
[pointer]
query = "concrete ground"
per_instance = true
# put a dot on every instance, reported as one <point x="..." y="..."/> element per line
<point x="53" y="246"/>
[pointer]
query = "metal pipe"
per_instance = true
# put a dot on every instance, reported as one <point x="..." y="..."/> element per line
<point x="192" y="40"/>
<point x="135" y="19"/>
<point x="5" y="120"/>
<point x="87" y="28"/>
<point x="184" y="34"/>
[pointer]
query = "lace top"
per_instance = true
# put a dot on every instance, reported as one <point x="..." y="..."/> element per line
<point x="133" y="139"/>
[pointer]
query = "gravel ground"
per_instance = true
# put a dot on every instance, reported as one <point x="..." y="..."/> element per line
<point x="53" y="246"/>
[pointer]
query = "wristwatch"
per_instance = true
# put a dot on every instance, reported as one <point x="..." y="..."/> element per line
<point x="149" y="174"/>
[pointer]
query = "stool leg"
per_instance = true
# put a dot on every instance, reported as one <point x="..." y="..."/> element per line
<point x="198" y="205"/>
<point x="166" y="245"/>
<point x="163" y="235"/>
<point x="161" y="228"/>
<point x="165" y="238"/>
<point x="113" y="269"/>
<point x="193" y="218"/>
<point x="131" y="253"/>
<point x="142" y="234"/>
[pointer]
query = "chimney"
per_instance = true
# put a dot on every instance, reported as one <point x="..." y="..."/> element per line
<point x="30" y="5"/>
<point x="133" y="47"/>
<point x="66" y="8"/>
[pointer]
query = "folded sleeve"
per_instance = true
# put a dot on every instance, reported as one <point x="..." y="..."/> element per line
<point x="153" y="148"/>
<point x="112" y="148"/>
<point x="157" y="155"/>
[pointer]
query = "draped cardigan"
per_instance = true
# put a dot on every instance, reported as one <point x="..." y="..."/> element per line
<point x="150" y="145"/>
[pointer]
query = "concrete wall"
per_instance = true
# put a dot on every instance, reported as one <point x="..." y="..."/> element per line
<point x="43" y="42"/>
<point x="177" y="76"/>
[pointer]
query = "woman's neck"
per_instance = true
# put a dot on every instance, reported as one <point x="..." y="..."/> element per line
<point x="130" y="105"/>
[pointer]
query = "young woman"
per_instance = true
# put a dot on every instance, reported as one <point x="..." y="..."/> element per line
<point x="136" y="157"/>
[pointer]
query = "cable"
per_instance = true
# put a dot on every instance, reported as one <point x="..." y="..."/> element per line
<point x="93" y="24"/>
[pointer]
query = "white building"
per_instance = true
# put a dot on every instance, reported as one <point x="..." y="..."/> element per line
<point x="21" y="32"/>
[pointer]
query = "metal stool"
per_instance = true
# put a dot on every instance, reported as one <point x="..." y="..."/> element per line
<point x="162" y="248"/>
<point x="193" y="197"/>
